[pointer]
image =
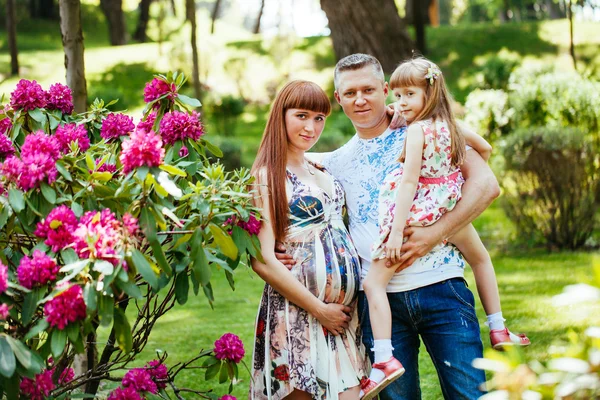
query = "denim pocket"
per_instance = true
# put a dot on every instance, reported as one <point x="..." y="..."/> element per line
<point x="462" y="294"/>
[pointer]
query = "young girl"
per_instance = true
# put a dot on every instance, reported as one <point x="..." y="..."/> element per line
<point x="425" y="186"/>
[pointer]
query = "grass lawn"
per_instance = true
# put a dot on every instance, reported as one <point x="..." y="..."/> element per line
<point x="527" y="279"/>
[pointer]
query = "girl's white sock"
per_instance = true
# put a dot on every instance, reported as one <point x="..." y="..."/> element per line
<point x="495" y="321"/>
<point x="383" y="352"/>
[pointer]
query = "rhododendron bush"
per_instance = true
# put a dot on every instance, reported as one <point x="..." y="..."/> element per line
<point x="98" y="214"/>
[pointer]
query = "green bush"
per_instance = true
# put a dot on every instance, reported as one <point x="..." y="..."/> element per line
<point x="494" y="70"/>
<point x="552" y="185"/>
<point x="225" y="113"/>
<point x="488" y="113"/>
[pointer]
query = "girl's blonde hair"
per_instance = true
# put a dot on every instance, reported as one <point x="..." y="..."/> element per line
<point x="425" y="74"/>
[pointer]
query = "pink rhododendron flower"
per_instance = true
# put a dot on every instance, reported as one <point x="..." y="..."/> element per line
<point x="57" y="228"/>
<point x="156" y="88"/>
<point x="148" y="123"/>
<point x="131" y="225"/>
<point x="99" y="236"/>
<point x="115" y="126"/>
<point x="227" y="397"/>
<point x="127" y="393"/>
<point x="183" y="152"/>
<point x="6" y="146"/>
<point x="66" y="376"/>
<point x="140" y="380"/>
<point x="68" y="133"/>
<point x="252" y="226"/>
<point x="4" y="310"/>
<point x="39" y="154"/>
<point x="159" y="373"/>
<point x="38" y="388"/>
<point x="178" y="125"/>
<point x="28" y="95"/>
<point x="229" y="347"/>
<point x="36" y="271"/>
<point x="5" y="124"/>
<point x="65" y="308"/>
<point x="144" y="148"/>
<point x="3" y="277"/>
<point x="106" y="167"/>
<point x="59" y="98"/>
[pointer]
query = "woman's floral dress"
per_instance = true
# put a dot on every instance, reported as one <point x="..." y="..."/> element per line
<point x="292" y="349"/>
<point x="438" y="190"/>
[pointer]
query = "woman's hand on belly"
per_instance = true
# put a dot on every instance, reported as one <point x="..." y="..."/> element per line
<point x="334" y="317"/>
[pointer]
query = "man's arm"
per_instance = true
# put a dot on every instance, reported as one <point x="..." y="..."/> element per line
<point x="478" y="192"/>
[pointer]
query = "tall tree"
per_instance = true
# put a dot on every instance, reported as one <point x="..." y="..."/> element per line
<point x="368" y="26"/>
<point x="113" y="11"/>
<point x="190" y="11"/>
<point x="142" y="25"/>
<point x="72" y="39"/>
<point x="214" y="16"/>
<point x="45" y="9"/>
<point x="571" y="41"/>
<point x="260" y="13"/>
<point x="11" y="29"/>
<point x="419" y="24"/>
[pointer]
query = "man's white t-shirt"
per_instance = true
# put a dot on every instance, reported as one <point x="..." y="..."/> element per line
<point x="361" y="165"/>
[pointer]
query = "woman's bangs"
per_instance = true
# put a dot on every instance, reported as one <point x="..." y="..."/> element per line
<point x="309" y="96"/>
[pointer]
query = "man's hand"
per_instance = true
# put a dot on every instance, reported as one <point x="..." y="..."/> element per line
<point x="283" y="257"/>
<point x="420" y="242"/>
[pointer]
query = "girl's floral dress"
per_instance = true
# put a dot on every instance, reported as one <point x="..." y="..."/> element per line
<point x="438" y="190"/>
<point x="292" y="349"/>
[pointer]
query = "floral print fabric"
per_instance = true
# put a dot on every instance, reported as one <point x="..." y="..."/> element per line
<point x="438" y="191"/>
<point x="292" y="349"/>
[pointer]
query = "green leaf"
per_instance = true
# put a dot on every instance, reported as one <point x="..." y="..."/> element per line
<point x="29" y="306"/>
<point x="72" y="331"/>
<point x="182" y="287"/>
<point x="241" y="239"/>
<point x="11" y="387"/>
<point x="104" y="267"/>
<point x="189" y="101"/>
<point x="223" y="374"/>
<point x="143" y="267"/>
<point x="213" y="149"/>
<point x="202" y="269"/>
<point x="49" y="193"/>
<point x="41" y="326"/>
<point x="212" y="371"/>
<point x="208" y="292"/>
<point x="229" y="276"/>
<point x="30" y="360"/>
<point x="106" y="306"/>
<point x="89" y="296"/>
<point x="102" y="176"/>
<point x="210" y="360"/>
<point x="173" y="170"/>
<point x="77" y="209"/>
<point x="123" y="331"/>
<point x="16" y="200"/>
<point x="58" y="342"/>
<point x="224" y="241"/>
<point x="7" y="358"/>
<point x="69" y="256"/>
<point x="141" y="172"/>
<point x="130" y="288"/>
<point x="159" y="254"/>
<point x="89" y="161"/>
<point x="64" y="172"/>
<point x="37" y="115"/>
<point x="148" y="223"/>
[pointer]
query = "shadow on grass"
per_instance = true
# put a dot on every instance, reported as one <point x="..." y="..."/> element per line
<point x="122" y="81"/>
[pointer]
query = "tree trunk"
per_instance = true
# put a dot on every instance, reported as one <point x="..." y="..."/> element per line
<point x="42" y="9"/>
<point x="419" y="23"/>
<point x="113" y="11"/>
<point x="571" y="41"/>
<point x="72" y="38"/>
<point x="190" y="7"/>
<point x="256" y="29"/>
<point x="140" y="31"/>
<point x="214" y="16"/>
<point x="11" y="30"/>
<point x="554" y="10"/>
<point x="368" y="26"/>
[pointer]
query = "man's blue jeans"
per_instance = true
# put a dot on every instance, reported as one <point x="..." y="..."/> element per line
<point x="443" y="314"/>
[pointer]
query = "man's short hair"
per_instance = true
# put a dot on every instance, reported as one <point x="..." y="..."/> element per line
<point x="354" y="62"/>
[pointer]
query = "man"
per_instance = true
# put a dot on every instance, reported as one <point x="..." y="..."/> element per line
<point x="428" y="294"/>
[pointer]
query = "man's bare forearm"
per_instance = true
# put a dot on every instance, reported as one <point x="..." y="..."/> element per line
<point x="478" y="192"/>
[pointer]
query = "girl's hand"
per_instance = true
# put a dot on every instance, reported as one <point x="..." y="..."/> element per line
<point x="334" y="317"/>
<point x="398" y="121"/>
<point x="393" y="246"/>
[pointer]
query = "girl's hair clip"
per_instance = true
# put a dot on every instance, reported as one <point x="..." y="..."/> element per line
<point x="433" y="73"/>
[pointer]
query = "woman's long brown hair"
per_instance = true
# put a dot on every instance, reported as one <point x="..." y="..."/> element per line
<point x="437" y="101"/>
<point x="272" y="152"/>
